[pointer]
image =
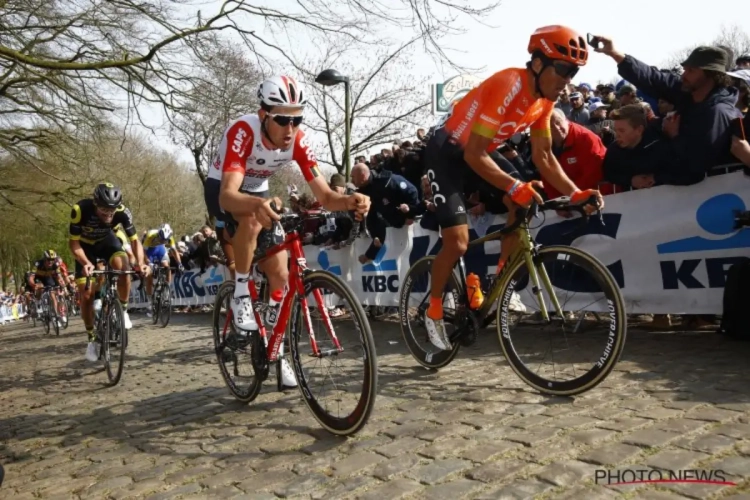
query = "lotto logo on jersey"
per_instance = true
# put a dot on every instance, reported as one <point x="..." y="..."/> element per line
<point x="258" y="174"/>
<point x="238" y="140"/>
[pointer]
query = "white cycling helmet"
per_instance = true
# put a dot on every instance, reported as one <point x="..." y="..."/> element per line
<point x="165" y="232"/>
<point x="282" y="91"/>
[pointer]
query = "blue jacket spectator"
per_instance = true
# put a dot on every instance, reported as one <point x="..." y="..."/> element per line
<point x="704" y="103"/>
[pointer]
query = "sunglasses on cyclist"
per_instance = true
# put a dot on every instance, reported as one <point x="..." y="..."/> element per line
<point x="106" y="210"/>
<point x="285" y="120"/>
<point x="565" y="70"/>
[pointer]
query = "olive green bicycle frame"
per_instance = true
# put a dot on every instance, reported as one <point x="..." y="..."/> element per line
<point x="527" y="251"/>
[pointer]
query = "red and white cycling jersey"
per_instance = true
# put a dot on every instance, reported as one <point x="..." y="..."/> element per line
<point x="242" y="150"/>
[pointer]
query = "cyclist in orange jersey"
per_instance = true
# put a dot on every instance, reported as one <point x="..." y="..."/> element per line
<point x="508" y="102"/>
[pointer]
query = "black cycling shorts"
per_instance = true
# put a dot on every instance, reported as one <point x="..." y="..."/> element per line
<point x="211" y="190"/>
<point x="105" y="249"/>
<point x="46" y="281"/>
<point x="447" y="172"/>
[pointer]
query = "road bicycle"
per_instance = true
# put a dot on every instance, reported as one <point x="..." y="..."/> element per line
<point x="109" y="324"/>
<point x="49" y="315"/>
<point x="543" y="272"/>
<point x="311" y="294"/>
<point x="161" y="299"/>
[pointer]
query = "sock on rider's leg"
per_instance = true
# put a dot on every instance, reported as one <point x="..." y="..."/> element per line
<point x="435" y="310"/>
<point x="241" y="287"/>
<point x="90" y="333"/>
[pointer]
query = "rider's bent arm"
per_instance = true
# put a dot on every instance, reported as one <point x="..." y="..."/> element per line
<point x="137" y="248"/>
<point x="330" y="199"/>
<point x="548" y="166"/>
<point x="78" y="253"/>
<point x="475" y="154"/>
<point x="234" y="202"/>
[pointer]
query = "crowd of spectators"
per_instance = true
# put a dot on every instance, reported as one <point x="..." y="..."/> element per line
<point x="654" y="127"/>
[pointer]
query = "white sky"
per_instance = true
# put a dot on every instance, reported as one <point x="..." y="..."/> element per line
<point x="651" y="30"/>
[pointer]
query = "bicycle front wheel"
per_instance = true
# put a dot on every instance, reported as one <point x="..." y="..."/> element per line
<point x="165" y="306"/>
<point x="344" y="345"/>
<point x="155" y="306"/>
<point x="587" y="339"/>
<point x="114" y="341"/>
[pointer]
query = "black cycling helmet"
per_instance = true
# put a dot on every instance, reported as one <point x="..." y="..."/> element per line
<point x="743" y="58"/>
<point x="107" y="195"/>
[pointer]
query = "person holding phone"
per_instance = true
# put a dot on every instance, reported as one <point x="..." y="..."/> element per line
<point x="699" y="132"/>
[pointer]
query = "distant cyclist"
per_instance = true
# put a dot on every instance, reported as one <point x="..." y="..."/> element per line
<point x="508" y="102"/>
<point x="160" y="245"/>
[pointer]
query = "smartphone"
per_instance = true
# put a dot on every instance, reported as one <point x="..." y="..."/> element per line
<point x="594" y="41"/>
<point x="738" y="128"/>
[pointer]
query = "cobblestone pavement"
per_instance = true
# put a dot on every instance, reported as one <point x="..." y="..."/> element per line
<point x="471" y="430"/>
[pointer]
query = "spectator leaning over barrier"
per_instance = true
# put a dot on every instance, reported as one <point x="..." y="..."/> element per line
<point x="699" y="131"/>
<point x="394" y="203"/>
<point x="579" y="113"/>
<point x="639" y="153"/>
<point x="579" y="151"/>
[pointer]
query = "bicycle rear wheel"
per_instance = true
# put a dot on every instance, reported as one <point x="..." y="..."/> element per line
<point x="114" y="342"/>
<point x="567" y="268"/>
<point x="413" y="301"/>
<point x="165" y="305"/>
<point x="358" y="359"/>
<point x="234" y="352"/>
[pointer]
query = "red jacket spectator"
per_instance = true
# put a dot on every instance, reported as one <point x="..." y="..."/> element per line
<point x="581" y="159"/>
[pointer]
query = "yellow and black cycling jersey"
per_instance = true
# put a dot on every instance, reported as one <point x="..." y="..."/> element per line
<point x="86" y="226"/>
<point x="152" y="240"/>
<point x="41" y="269"/>
<point x="120" y="233"/>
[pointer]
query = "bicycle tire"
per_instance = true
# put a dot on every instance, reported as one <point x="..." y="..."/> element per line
<point x="62" y="304"/>
<point x="597" y="373"/>
<point x="45" y="315"/>
<point x="227" y="290"/>
<point x="155" y="305"/>
<point x="165" y="305"/>
<point x="432" y="360"/>
<point x="120" y="339"/>
<point x="353" y="422"/>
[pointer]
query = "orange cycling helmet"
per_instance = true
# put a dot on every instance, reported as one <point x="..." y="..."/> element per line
<point x="560" y="43"/>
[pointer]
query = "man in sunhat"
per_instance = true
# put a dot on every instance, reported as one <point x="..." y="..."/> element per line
<point x="704" y="101"/>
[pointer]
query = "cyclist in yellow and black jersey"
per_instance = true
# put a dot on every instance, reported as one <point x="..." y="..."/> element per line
<point x="91" y="238"/>
<point x="49" y="272"/>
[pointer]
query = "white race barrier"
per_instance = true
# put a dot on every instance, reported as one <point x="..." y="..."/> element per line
<point x="669" y="248"/>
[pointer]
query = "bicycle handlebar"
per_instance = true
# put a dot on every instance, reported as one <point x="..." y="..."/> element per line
<point x="97" y="272"/>
<point x="562" y="203"/>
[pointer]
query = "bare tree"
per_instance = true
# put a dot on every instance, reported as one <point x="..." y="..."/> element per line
<point x="732" y="37"/>
<point x="226" y="89"/>
<point x="387" y="100"/>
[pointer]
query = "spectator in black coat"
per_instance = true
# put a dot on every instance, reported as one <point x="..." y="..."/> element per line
<point x="395" y="202"/>
<point x="699" y="131"/>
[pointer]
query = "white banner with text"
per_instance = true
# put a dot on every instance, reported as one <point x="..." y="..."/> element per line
<point x="668" y="247"/>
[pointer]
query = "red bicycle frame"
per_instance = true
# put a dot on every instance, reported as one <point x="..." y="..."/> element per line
<point x="298" y="265"/>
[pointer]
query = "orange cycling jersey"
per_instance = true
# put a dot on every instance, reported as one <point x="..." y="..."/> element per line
<point x="499" y="107"/>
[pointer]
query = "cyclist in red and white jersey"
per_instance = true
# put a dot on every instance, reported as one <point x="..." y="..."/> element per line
<point x="253" y="149"/>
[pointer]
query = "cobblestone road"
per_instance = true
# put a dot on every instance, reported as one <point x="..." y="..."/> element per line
<point x="472" y="430"/>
